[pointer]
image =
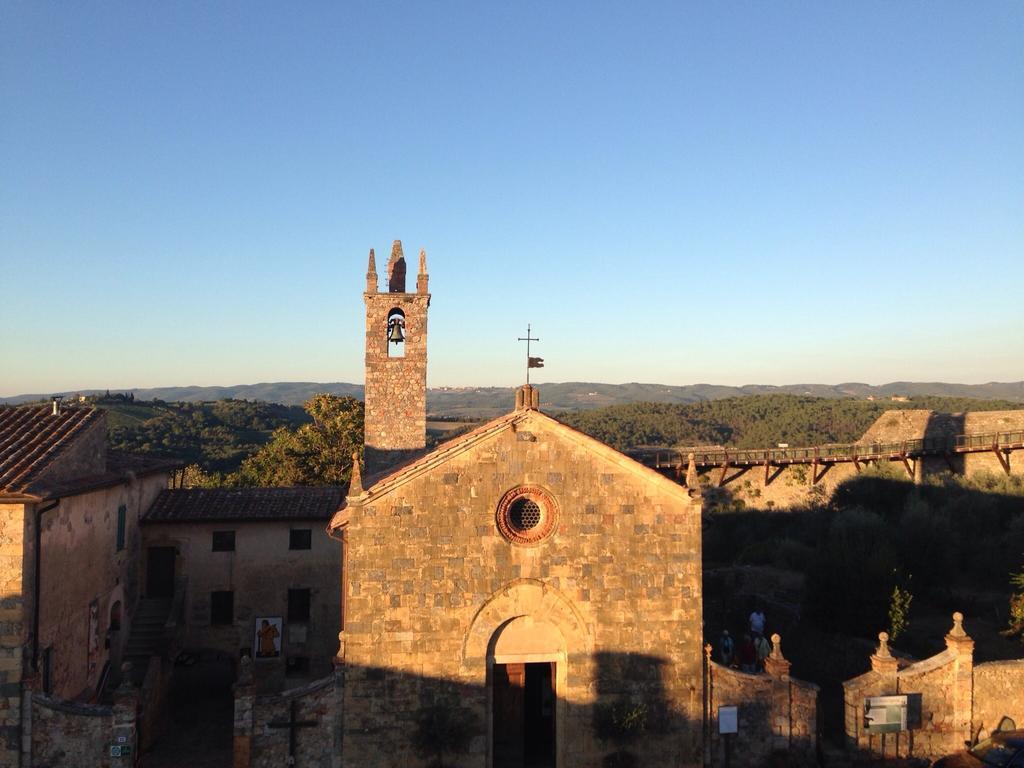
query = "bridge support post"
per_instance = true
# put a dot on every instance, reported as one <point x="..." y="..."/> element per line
<point x="1004" y="459"/>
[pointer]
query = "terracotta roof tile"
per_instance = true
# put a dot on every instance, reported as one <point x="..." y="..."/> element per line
<point x="224" y="504"/>
<point x="31" y="438"/>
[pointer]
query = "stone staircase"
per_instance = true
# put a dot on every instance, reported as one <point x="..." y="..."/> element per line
<point x="148" y="635"/>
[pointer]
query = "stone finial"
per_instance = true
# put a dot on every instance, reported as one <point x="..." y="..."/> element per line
<point x="882" y="660"/>
<point x="396" y="269"/>
<point x="707" y="652"/>
<point x="958" y="625"/>
<point x="691" y="473"/>
<point x="422" y="277"/>
<point x="958" y="640"/>
<point x="883" y="646"/>
<point x="245" y="672"/>
<point x="355" y="486"/>
<point x="371" y="273"/>
<point x="776" y="664"/>
<point x="339" y="657"/>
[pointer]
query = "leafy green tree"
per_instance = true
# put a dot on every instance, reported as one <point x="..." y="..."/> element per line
<point x="1017" y="606"/>
<point x="319" y="453"/>
<point x="899" y="611"/>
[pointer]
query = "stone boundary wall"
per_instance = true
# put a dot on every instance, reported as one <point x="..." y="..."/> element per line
<point x="776" y="713"/>
<point x="64" y="733"/>
<point x="950" y="700"/>
<point x="998" y="693"/>
<point x="258" y="744"/>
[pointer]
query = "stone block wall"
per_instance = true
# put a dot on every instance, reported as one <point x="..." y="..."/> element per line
<point x="951" y="700"/>
<point x="66" y="734"/>
<point x="15" y="524"/>
<point x="259" y="744"/>
<point x="396" y="387"/>
<point x="431" y="581"/>
<point x="998" y="693"/>
<point x="935" y="722"/>
<point x="776" y="713"/>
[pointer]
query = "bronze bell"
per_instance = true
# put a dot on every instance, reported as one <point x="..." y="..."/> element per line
<point x="395" y="335"/>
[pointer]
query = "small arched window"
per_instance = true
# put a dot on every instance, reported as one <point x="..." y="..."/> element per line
<point x="396" y="333"/>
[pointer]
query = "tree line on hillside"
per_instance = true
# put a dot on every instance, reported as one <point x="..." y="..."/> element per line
<point x="217" y="436"/>
<point x="759" y="421"/>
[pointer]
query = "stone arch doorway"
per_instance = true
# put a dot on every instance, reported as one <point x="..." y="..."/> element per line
<point x="526" y="658"/>
<point x="527" y="622"/>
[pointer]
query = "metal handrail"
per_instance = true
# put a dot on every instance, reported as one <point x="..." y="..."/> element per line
<point x="850" y="451"/>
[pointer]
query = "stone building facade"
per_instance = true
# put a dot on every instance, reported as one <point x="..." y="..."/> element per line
<point x="247" y="554"/>
<point x="69" y="554"/>
<point x="396" y="362"/>
<point x="524" y="583"/>
<point x="536" y="583"/>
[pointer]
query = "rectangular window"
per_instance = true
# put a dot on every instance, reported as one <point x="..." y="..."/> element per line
<point x="296" y="666"/>
<point x="223" y="541"/>
<point x="300" y="538"/>
<point x="222" y="607"/>
<point x="48" y="670"/>
<point x="122" y="518"/>
<point x="298" y="605"/>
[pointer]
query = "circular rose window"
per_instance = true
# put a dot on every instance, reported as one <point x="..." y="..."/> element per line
<point x="526" y="515"/>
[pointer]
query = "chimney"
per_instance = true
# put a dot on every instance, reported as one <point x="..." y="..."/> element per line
<point x="56" y="404"/>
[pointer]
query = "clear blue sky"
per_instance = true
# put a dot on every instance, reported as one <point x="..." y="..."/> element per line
<point x="681" y="192"/>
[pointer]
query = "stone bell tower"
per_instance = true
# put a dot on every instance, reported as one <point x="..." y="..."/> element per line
<point x="396" y="363"/>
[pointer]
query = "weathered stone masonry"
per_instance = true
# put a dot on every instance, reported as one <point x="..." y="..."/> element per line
<point x="434" y="593"/>
<point x="396" y="387"/>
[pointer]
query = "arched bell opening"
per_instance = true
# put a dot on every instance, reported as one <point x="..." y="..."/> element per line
<point x="396" y="333"/>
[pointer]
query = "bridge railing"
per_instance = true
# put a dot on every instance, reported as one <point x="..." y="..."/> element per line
<point x="990" y="440"/>
<point x="844" y="451"/>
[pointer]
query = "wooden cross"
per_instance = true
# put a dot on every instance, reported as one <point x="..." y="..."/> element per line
<point x="291" y="725"/>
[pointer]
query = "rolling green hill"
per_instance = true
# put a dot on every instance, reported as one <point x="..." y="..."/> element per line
<point x="218" y="435"/>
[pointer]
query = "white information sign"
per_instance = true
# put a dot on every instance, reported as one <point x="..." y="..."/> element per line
<point x="728" y="720"/>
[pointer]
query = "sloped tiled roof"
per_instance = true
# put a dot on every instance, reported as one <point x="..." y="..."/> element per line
<point x="31" y="438"/>
<point x="241" y="504"/>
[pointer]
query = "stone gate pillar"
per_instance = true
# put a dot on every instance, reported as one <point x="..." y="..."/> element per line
<point x="962" y="693"/>
<point x="245" y="698"/>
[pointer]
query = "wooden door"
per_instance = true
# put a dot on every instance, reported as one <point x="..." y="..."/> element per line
<point x="509" y="702"/>
<point x="160" y="571"/>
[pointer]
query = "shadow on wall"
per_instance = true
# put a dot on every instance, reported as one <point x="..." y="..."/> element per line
<point x="397" y="718"/>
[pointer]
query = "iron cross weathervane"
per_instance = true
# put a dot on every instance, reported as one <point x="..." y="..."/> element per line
<point x="531" y="362"/>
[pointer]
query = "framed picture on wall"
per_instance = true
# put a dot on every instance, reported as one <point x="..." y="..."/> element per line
<point x="267" y="638"/>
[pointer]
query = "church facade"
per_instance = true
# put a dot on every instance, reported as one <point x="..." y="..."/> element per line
<point x="523" y="595"/>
